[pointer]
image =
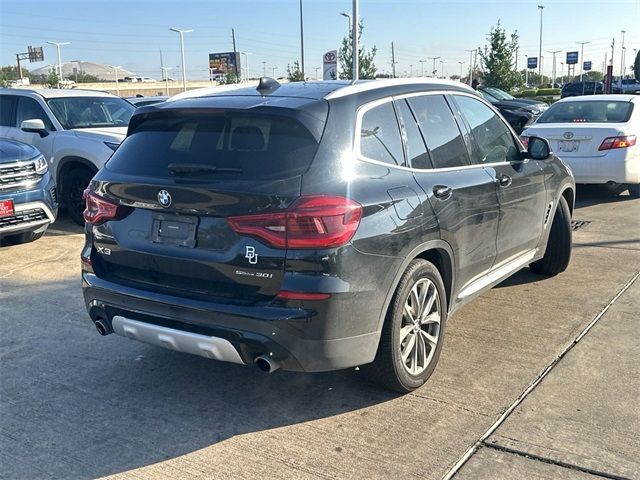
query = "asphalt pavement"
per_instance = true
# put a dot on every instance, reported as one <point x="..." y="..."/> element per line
<point x="539" y="378"/>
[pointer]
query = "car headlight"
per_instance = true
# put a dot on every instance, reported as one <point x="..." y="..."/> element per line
<point x="112" y="146"/>
<point x="41" y="165"/>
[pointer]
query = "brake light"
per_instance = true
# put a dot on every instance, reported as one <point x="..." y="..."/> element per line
<point x="310" y="222"/>
<point x="610" y="143"/>
<point x="525" y="141"/>
<point x="99" y="210"/>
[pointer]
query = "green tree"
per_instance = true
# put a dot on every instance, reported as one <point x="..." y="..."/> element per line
<point x="366" y="66"/>
<point x="294" y="74"/>
<point x="497" y="59"/>
<point x="636" y="66"/>
<point x="229" y="78"/>
<point x="52" y="80"/>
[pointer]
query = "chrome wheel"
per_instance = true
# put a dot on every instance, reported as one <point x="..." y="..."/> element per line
<point x="420" y="327"/>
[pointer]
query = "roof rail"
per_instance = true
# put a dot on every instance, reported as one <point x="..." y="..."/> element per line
<point x="366" y="85"/>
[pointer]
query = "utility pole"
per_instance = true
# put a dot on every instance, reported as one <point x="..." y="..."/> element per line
<point x="582" y="44"/>
<point x="540" y="7"/>
<point x="116" y="72"/>
<point x="58" y="45"/>
<point x="461" y="64"/>
<point x="422" y="67"/>
<point x="553" y="74"/>
<point x="235" y="59"/>
<point x="393" y="61"/>
<point x="354" y="48"/>
<point x="470" y="64"/>
<point x="622" y="59"/>
<point x="301" y="42"/>
<point x="273" y="69"/>
<point x="184" y="67"/>
<point x="165" y="75"/>
<point x="442" y="68"/>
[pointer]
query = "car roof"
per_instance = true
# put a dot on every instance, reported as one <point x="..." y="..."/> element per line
<point x="602" y="98"/>
<point x="58" y="92"/>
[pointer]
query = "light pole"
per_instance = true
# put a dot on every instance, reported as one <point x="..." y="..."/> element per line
<point x="246" y="58"/>
<point x="301" y="43"/>
<point x="422" y="67"/>
<point x="540" y="7"/>
<point x="622" y="59"/>
<point x="561" y="73"/>
<point x="526" y="72"/>
<point x="582" y="44"/>
<point x="434" y="64"/>
<point x="355" y="51"/>
<point x="470" y="64"/>
<point x="273" y="69"/>
<point x="116" y="70"/>
<point x="411" y="70"/>
<point x="553" y="74"/>
<point x="442" y="68"/>
<point x="58" y="45"/>
<point x="316" y="69"/>
<point x="264" y="69"/>
<point x="184" y="67"/>
<point x="461" y="64"/>
<point x="165" y="72"/>
<point x="348" y="15"/>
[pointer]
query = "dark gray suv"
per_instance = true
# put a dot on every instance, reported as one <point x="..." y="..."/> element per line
<point x="317" y="226"/>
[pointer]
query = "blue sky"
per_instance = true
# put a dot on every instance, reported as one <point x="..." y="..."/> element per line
<point x="131" y="33"/>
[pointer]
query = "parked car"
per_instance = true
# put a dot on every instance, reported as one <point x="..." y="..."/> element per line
<point x="76" y="131"/>
<point x="576" y="89"/>
<point x="596" y="137"/>
<point x="142" y="101"/>
<point x="28" y="200"/>
<point x="317" y="226"/>
<point x="517" y="111"/>
<point x="629" y="85"/>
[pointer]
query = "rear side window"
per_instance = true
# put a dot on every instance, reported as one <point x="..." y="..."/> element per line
<point x="380" y="135"/>
<point x="416" y="149"/>
<point x="7" y="108"/>
<point x="440" y="131"/>
<point x="493" y="138"/>
<point x="599" y="111"/>
<point x="242" y="146"/>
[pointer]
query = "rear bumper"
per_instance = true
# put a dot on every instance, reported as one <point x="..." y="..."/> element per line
<point x="280" y="332"/>
<point x="619" y="166"/>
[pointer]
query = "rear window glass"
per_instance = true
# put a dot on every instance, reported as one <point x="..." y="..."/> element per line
<point x="587" y="112"/>
<point x="239" y="145"/>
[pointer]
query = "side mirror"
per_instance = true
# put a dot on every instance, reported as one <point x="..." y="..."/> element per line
<point x="34" y="125"/>
<point x="538" y="149"/>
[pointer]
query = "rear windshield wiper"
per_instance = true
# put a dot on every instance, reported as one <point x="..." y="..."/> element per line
<point x="196" y="168"/>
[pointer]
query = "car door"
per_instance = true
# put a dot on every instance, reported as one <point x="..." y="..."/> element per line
<point x="28" y="108"/>
<point x="7" y="114"/>
<point x="519" y="184"/>
<point x="462" y="195"/>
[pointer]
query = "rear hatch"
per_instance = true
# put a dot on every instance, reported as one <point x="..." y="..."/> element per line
<point x="178" y="177"/>
<point x="578" y="128"/>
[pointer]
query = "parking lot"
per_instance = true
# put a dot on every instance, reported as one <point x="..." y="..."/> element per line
<point x="514" y="396"/>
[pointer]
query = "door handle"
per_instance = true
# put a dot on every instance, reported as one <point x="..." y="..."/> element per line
<point x="442" y="191"/>
<point x="504" y="180"/>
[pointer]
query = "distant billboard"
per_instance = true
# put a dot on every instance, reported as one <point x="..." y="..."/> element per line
<point x="222" y="63"/>
<point x="532" y="62"/>
<point x="586" y="66"/>
<point x="572" y="58"/>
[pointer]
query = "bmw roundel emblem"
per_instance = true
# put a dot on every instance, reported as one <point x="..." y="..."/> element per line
<point x="164" y="198"/>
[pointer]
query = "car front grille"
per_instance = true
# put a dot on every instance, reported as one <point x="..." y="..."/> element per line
<point x="17" y="174"/>
<point x="35" y="215"/>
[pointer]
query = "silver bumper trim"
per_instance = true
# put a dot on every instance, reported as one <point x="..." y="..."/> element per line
<point x="209" y="347"/>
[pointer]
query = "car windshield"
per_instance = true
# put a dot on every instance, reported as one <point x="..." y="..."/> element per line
<point x="585" y="111"/>
<point x="88" y="112"/>
<point x="487" y="96"/>
<point x="499" y="94"/>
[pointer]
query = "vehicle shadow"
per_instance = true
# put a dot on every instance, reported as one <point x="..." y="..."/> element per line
<point x="64" y="226"/>
<point x="588" y="195"/>
<point x="111" y="404"/>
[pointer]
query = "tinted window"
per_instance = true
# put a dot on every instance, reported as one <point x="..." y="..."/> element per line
<point x="30" y="109"/>
<point x="440" y="131"/>
<point x="492" y="137"/>
<point x="380" y="135"/>
<point x="88" y="112"/>
<point x="587" y="111"/>
<point x="252" y="146"/>
<point x="416" y="149"/>
<point x="7" y="104"/>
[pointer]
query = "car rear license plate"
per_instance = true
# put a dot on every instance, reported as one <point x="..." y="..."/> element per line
<point x="568" y="145"/>
<point x="174" y="230"/>
<point x="6" y="208"/>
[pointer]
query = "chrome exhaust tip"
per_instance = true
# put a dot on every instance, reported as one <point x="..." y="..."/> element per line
<point x="266" y="363"/>
<point x="102" y="327"/>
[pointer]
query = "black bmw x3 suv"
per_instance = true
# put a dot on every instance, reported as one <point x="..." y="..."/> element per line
<point x="317" y="226"/>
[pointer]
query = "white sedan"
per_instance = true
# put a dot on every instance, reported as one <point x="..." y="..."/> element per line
<point x="596" y="136"/>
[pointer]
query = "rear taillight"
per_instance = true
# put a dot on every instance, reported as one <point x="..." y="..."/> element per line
<point x="525" y="141"/>
<point x="99" y="210"/>
<point x="610" y="143"/>
<point x="310" y="222"/>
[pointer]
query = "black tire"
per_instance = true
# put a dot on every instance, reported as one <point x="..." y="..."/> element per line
<point x="634" y="191"/>
<point x="558" y="253"/>
<point x="25" y="237"/>
<point x="388" y="369"/>
<point x="75" y="182"/>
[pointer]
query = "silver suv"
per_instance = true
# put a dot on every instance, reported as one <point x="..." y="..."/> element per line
<point x="76" y="131"/>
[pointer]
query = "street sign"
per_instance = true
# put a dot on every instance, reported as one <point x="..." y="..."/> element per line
<point x="532" y="62"/>
<point x="586" y="66"/>
<point x="35" y="54"/>
<point x="572" y="58"/>
<point x="330" y="65"/>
